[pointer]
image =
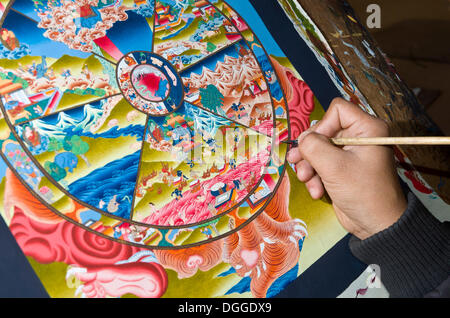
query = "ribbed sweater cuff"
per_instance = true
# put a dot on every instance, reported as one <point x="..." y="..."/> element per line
<point x="413" y="254"/>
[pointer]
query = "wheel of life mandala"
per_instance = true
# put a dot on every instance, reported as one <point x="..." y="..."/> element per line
<point x="154" y="123"/>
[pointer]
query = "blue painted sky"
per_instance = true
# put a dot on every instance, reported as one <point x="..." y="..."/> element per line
<point x="26" y="7"/>
<point x="127" y="39"/>
<point x="133" y="34"/>
<point x="28" y="32"/>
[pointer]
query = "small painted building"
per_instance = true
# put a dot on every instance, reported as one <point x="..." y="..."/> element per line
<point x="11" y="92"/>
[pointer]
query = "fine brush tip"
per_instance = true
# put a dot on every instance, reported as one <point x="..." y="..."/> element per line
<point x="293" y="143"/>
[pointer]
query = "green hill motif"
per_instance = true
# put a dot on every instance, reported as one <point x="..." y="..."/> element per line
<point x="24" y="61"/>
<point x="76" y="64"/>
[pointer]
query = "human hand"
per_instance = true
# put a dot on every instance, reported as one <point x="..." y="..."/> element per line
<point x="361" y="180"/>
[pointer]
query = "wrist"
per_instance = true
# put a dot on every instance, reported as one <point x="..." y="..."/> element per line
<point x="414" y="246"/>
<point x="383" y="218"/>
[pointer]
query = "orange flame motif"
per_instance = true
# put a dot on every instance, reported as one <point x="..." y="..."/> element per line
<point x="264" y="250"/>
<point x="17" y="195"/>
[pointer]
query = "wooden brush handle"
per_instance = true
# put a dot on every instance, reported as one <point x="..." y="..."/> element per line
<point x="388" y="141"/>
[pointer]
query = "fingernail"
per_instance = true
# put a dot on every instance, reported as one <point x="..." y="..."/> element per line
<point x="314" y="123"/>
<point x="315" y="193"/>
<point x="289" y="155"/>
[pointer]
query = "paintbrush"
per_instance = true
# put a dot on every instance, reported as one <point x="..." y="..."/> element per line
<point x="384" y="141"/>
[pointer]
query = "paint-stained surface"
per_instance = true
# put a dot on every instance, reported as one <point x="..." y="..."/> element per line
<point x="366" y="76"/>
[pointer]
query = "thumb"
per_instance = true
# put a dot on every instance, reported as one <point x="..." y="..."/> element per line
<point x="321" y="154"/>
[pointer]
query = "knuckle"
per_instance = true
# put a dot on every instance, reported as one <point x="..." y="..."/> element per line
<point x="380" y="128"/>
<point x="309" y="143"/>
<point x="336" y="102"/>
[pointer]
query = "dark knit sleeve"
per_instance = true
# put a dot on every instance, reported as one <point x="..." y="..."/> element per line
<point x="413" y="254"/>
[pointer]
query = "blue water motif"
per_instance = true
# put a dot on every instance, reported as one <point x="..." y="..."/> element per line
<point x="146" y="10"/>
<point x="115" y="132"/>
<point x="232" y="270"/>
<point x="17" y="53"/>
<point x="112" y="184"/>
<point x="242" y="287"/>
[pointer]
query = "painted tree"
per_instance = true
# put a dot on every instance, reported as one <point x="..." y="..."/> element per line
<point x="55" y="171"/>
<point x="77" y="146"/>
<point x="211" y="98"/>
<point x="54" y="145"/>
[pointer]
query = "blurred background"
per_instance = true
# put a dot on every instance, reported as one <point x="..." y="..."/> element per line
<point x="415" y="34"/>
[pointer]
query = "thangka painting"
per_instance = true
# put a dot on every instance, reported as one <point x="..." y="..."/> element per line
<point x="142" y="149"/>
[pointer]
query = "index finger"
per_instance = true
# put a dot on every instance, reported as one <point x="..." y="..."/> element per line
<point x="340" y="116"/>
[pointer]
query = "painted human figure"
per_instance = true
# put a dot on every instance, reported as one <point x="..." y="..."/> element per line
<point x="31" y="136"/>
<point x="209" y="140"/>
<point x="66" y="73"/>
<point x="207" y="232"/>
<point x="142" y="214"/>
<point x="178" y="193"/>
<point x="113" y="205"/>
<point x="32" y="69"/>
<point x="236" y="108"/>
<point x="181" y="175"/>
<point x="51" y="74"/>
<point x="137" y="234"/>
<point x="122" y="231"/>
<point x="233" y="163"/>
<point x="85" y="71"/>
<point x="9" y="39"/>
<point x="190" y="163"/>
<point x="41" y="69"/>
<point x="236" y="138"/>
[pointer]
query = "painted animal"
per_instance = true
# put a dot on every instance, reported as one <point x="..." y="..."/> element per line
<point x="113" y="205"/>
<point x="66" y="160"/>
